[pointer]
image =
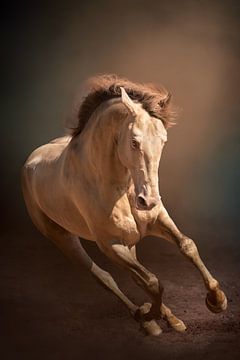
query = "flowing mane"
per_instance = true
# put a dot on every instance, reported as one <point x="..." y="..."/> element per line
<point x="155" y="100"/>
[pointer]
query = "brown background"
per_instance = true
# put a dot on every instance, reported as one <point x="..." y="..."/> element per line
<point x="191" y="47"/>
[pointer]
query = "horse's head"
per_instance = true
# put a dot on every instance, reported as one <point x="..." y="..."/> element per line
<point x="140" y="146"/>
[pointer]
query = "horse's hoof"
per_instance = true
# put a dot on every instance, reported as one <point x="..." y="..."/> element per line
<point x="178" y="326"/>
<point x="216" y="303"/>
<point x="148" y="324"/>
<point x="151" y="328"/>
<point x="175" y="323"/>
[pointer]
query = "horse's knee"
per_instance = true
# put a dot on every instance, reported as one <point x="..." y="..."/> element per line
<point x="188" y="247"/>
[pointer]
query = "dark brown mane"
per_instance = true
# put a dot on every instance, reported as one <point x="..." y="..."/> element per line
<point x="155" y="100"/>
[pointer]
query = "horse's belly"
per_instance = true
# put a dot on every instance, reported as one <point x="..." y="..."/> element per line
<point x="65" y="213"/>
<point x="78" y="228"/>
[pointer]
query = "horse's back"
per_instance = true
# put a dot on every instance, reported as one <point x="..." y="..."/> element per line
<point x="61" y="140"/>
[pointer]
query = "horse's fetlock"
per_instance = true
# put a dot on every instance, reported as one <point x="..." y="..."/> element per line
<point x="213" y="285"/>
<point x="155" y="286"/>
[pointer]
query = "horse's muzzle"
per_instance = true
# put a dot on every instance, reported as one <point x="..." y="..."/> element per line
<point x="145" y="203"/>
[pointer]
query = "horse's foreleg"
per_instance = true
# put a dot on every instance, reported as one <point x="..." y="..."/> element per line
<point x="126" y="258"/>
<point x="164" y="227"/>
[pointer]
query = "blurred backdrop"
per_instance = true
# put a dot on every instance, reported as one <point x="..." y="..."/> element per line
<point x="191" y="47"/>
<point x="49" y="310"/>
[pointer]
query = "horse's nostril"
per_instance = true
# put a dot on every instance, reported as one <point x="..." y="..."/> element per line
<point x="142" y="201"/>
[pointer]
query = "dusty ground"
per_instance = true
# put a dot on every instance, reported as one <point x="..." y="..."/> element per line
<point x="51" y="311"/>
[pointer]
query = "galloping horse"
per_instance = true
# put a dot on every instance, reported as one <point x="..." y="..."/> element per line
<point x="101" y="184"/>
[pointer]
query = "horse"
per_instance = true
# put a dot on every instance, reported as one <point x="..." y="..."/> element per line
<point x="101" y="183"/>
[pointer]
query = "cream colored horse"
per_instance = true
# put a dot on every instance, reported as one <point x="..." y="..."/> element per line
<point x="102" y="185"/>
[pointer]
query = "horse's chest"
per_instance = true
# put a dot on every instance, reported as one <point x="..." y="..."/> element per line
<point x="124" y="226"/>
<point x="131" y="225"/>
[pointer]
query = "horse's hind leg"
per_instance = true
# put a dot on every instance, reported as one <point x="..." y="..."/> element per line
<point x="70" y="245"/>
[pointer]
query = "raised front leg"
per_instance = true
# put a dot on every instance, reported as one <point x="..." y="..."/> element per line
<point x="164" y="227"/>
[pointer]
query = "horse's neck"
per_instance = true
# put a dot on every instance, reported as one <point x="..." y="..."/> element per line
<point x="98" y="150"/>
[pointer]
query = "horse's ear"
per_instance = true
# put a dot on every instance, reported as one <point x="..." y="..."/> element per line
<point x="165" y="101"/>
<point x="128" y="102"/>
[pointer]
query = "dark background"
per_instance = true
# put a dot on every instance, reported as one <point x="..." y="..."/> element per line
<point x="192" y="48"/>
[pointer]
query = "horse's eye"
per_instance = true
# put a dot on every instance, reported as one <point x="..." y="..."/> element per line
<point x="135" y="144"/>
